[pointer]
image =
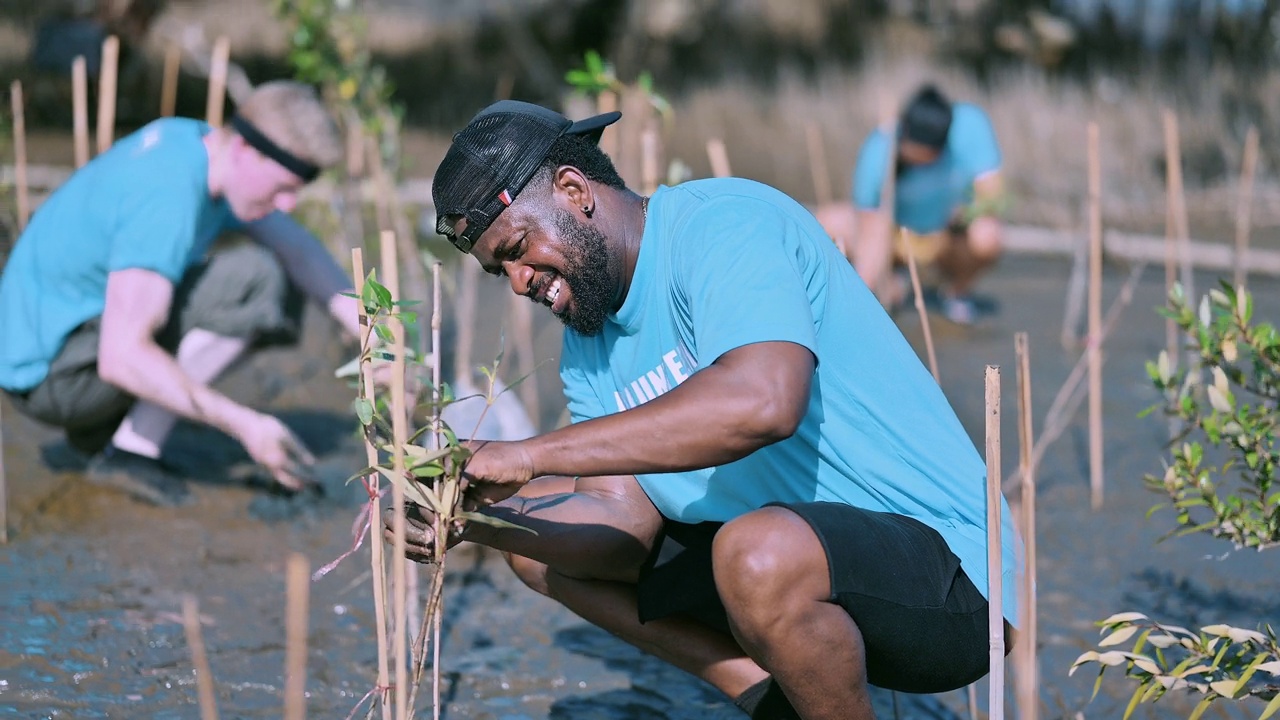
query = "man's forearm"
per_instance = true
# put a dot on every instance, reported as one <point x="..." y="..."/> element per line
<point x="149" y="373"/>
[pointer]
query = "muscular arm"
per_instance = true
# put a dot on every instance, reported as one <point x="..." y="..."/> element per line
<point x="138" y="303"/>
<point x="309" y="266"/>
<point x="750" y="397"/>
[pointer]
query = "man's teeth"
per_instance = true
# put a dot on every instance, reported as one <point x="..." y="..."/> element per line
<point x="553" y="292"/>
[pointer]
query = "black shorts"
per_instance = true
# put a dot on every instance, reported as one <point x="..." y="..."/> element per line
<point x="923" y="622"/>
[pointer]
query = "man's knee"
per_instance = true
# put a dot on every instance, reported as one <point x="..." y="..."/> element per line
<point x="765" y="561"/>
<point x="242" y="291"/>
<point x="986" y="238"/>
<point x="530" y="572"/>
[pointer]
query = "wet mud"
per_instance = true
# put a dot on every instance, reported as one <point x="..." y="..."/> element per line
<point x="91" y="583"/>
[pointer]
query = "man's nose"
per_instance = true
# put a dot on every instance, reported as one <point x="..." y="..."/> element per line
<point x="521" y="277"/>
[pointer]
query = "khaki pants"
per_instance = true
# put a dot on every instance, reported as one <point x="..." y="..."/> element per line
<point x="240" y="291"/>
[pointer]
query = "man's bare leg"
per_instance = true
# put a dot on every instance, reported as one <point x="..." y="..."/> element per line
<point x="772" y="574"/>
<point x="967" y="257"/>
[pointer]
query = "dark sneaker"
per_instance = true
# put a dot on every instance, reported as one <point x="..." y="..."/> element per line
<point x="143" y="478"/>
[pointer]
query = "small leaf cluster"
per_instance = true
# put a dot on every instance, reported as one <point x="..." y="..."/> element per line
<point x="1226" y="399"/>
<point x="597" y="76"/>
<point x="1218" y="662"/>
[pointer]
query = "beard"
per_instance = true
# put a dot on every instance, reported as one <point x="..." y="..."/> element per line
<point x="590" y="273"/>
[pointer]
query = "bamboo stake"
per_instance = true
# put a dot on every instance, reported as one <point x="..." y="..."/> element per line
<point x="719" y="158"/>
<point x="972" y="692"/>
<point x="1244" y="206"/>
<point x="1175" y="226"/>
<point x="169" y="84"/>
<point x="1177" y="199"/>
<point x="818" y="165"/>
<point x="1095" y="321"/>
<point x="400" y="433"/>
<point x="920" y="308"/>
<point x="80" y="110"/>
<point x="377" y="558"/>
<point x="195" y="641"/>
<point x="995" y="567"/>
<point x="4" y="491"/>
<point x="20" y="153"/>
<point x="107" y="93"/>
<point x="607" y="102"/>
<point x="1028" y="704"/>
<point x="437" y="587"/>
<point x="297" y="588"/>
<point x="650" y="161"/>
<point x="217" y="99"/>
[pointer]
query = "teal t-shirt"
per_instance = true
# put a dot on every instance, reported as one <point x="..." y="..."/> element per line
<point x="142" y="204"/>
<point x="925" y="196"/>
<point x="728" y="262"/>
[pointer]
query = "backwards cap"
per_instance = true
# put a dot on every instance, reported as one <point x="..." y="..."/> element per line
<point x="492" y="159"/>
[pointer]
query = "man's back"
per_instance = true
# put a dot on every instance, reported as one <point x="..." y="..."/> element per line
<point x="143" y="204"/>
<point x="727" y="263"/>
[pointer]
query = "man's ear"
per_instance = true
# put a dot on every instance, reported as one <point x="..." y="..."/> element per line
<point x="573" y="186"/>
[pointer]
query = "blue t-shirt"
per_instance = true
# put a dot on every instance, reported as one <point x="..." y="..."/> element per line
<point x="142" y="204"/>
<point x="729" y="262"/>
<point x="925" y="196"/>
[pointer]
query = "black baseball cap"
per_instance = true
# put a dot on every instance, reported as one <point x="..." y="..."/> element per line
<point x="492" y="159"/>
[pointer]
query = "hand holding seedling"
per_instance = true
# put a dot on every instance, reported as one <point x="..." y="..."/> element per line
<point x="276" y="448"/>
<point x="419" y="533"/>
<point x="496" y="471"/>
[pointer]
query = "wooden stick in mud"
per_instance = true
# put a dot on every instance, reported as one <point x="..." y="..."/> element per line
<point x="376" y="551"/>
<point x="818" y="165"/>
<point x="650" y="160"/>
<point x="218" y="81"/>
<point x="400" y="435"/>
<point x="297" y="597"/>
<point x="169" y="83"/>
<point x="1177" y="199"/>
<point x="107" y="93"/>
<point x="606" y="102"/>
<point x="920" y="308"/>
<point x="1244" y="205"/>
<point x="995" y="554"/>
<point x="1027" y="694"/>
<point x="719" y="158"/>
<point x="1094" y="347"/>
<point x="4" y="491"/>
<point x="437" y="618"/>
<point x="20" y="153"/>
<point x="195" y="641"/>
<point x="80" y="109"/>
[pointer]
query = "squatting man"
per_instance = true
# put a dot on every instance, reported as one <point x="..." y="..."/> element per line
<point x="761" y="485"/>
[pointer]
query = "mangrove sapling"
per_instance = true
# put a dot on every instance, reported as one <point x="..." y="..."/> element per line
<point x="1235" y="414"/>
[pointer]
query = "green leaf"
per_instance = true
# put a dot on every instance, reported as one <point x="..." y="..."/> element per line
<point x="1204" y="705"/>
<point x="385" y="334"/>
<point x="492" y="521"/>
<point x="1133" y="701"/>
<point x="412" y="490"/>
<point x="364" y="411"/>
<point x="1119" y="636"/>
<point x="1271" y="709"/>
<point x="428" y="471"/>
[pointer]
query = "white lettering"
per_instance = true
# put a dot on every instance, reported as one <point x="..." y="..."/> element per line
<point x="618" y="398"/>
<point x="673" y="364"/>
<point x="658" y="380"/>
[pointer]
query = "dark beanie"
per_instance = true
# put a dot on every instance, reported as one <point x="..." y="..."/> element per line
<point x="927" y="118"/>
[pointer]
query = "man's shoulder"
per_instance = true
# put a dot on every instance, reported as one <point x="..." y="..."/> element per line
<point x="967" y="118"/>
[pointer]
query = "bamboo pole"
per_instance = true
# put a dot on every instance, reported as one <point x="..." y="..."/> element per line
<point x="199" y="660"/>
<point x="80" y="110"/>
<point x="1176" y="229"/>
<point x="437" y="617"/>
<point x="20" y="153"/>
<point x="169" y="83"/>
<point x="217" y="99"/>
<point x="400" y="434"/>
<point x="650" y="161"/>
<point x="719" y="158"/>
<point x="920" y="308"/>
<point x="1244" y="206"/>
<point x="818" y="165"/>
<point x="1028" y="680"/>
<point x="376" y="552"/>
<point x="4" y="490"/>
<point x="995" y="566"/>
<point x="607" y="102"/>
<point x="1094" y="345"/>
<point x="107" y="93"/>
<point x="297" y="602"/>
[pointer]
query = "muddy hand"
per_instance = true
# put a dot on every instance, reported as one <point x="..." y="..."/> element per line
<point x="419" y="533"/>
<point x="495" y="471"/>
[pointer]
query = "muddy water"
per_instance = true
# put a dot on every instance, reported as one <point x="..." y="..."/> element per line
<point x="93" y="583"/>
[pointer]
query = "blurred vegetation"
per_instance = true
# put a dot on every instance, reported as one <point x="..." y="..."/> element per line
<point x="1234" y="415"/>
